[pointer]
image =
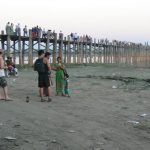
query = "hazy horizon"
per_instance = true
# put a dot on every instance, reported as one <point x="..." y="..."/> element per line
<point x="125" y="20"/>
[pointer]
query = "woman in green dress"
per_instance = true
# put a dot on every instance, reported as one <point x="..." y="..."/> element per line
<point x="59" y="77"/>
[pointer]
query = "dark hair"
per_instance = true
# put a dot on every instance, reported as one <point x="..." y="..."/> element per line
<point x="40" y="52"/>
<point x="65" y="73"/>
<point x="58" y="58"/>
<point x="47" y="54"/>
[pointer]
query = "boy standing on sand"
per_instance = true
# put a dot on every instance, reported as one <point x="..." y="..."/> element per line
<point x="3" y="82"/>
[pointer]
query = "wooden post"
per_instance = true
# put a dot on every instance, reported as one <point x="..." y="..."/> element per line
<point x="85" y="52"/>
<point x="78" y="52"/>
<point x="74" y="53"/>
<point x="61" y="46"/>
<point x="120" y="54"/>
<point x="98" y="51"/>
<point x="68" y="50"/>
<point x="110" y="53"/>
<point x="47" y="41"/>
<point x="54" y="48"/>
<point x="116" y="47"/>
<point x="94" y="50"/>
<point x="3" y="47"/>
<point x="30" y="53"/>
<point x="39" y="42"/>
<point x="148" y="55"/>
<point x="125" y="48"/>
<point x="23" y="51"/>
<point x="81" y="52"/>
<point x="90" y="52"/>
<point x="65" y="51"/>
<point x="104" y="54"/>
<point x="101" y="52"/>
<point x="127" y="54"/>
<point x="14" y="52"/>
<point x="20" y="51"/>
<point x="116" y="53"/>
<point x="8" y="45"/>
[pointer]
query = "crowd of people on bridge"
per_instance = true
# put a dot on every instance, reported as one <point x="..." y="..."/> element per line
<point x="39" y="32"/>
<point x="84" y="38"/>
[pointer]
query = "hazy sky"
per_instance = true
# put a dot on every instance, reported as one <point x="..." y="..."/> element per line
<point x="127" y="20"/>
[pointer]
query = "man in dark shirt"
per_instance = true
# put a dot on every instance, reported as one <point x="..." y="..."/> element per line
<point x="43" y="77"/>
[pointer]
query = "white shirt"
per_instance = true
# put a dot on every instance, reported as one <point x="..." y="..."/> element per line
<point x="2" y="73"/>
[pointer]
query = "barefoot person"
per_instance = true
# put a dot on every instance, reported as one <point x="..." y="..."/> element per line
<point x="45" y="92"/>
<point x="66" y="83"/>
<point x="3" y="82"/>
<point x="42" y="66"/>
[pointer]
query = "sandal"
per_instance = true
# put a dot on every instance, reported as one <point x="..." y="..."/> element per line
<point x="8" y="99"/>
<point x="2" y="99"/>
<point x="43" y="100"/>
<point x="63" y="94"/>
<point x="49" y="99"/>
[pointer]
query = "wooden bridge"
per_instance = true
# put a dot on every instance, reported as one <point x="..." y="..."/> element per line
<point x="76" y="52"/>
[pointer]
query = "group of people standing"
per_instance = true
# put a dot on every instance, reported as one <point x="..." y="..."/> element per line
<point x="38" y="32"/>
<point x="10" y="30"/>
<point x="85" y="38"/>
<point x="43" y="67"/>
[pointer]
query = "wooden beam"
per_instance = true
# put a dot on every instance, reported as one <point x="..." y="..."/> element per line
<point x="30" y="54"/>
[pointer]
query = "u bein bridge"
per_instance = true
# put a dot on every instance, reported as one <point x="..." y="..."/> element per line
<point x="75" y="52"/>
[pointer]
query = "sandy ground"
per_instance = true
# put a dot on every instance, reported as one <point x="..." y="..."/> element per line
<point x="101" y="114"/>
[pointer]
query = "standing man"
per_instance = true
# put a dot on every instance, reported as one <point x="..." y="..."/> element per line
<point x="25" y="31"/>
<point x="3" y="82"/>
<point x="43" y="67"/>
<point x="8" y="28"/>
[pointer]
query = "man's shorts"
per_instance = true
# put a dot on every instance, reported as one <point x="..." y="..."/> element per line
<point x="43" y="80"/>
<point x="3" y="82"/>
